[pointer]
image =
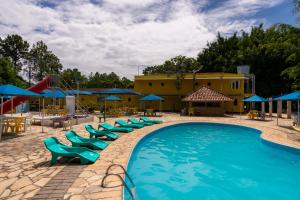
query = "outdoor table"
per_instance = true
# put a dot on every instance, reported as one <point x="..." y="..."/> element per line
<point x="59" y="120"/>
<point x="39" y="119"/>
<point x="35" y="119"/>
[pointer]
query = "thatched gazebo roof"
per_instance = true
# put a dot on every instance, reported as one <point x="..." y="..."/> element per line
<point x="205" y="94"/>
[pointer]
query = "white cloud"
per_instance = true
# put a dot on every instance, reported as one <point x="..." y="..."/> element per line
<point x="118" y="35"/>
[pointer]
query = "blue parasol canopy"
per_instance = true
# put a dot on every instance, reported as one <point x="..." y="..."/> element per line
<point x="151" y="97"/>
<point x="117" y="91"/>
<point x="289" y="97"/>
<point x="75" y="92"/>
<point x="12" y="90"/>
<point x="255" y="98"/>
<point x="55" y="93"/>
<point x="111" y="98"/>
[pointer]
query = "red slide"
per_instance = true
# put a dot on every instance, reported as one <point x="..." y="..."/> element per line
<point x="40" y="86"/>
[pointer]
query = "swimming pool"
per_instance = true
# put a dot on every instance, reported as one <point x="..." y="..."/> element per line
<point x="211" y="161"/>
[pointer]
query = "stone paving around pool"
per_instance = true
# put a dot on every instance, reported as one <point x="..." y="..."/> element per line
<point x="25" y="171"/>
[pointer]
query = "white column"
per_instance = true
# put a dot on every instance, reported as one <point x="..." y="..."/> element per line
<point x="1" y="119"/>
<point x="263" y="107"/>
<point x="289" y="109"/>
<point x="279" y="108"/>
<point x="270" y="107"/>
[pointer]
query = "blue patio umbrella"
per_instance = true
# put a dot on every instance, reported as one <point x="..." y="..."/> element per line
<point x="51" y="93"/>
<point x="113" y="91"/>
<point x="12" y="90"/>
<point x="76" y="92"/>
<point x="151" y="97"/>
<point x="54" y="93"/>
<point x="255" y="98"/>
<point x="109" y="98"/>
<point x="294" y="96"/>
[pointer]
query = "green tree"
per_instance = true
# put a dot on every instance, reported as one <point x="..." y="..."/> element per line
<point x="43" y="61"/>
<point x="220" y="55"/>
<point x="104" y="80"/>
<point x="178" y="65"/>
<point x="15" y="48"/>
<point x="70" y="77"/>
<point x="8" y="74"/>
<point x="269" y="52"/>
<point x="126" y="83"/>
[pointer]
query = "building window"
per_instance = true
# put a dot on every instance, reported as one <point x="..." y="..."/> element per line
<point x="129" y="99"/>
<point x="162" y="84"/>
<point x="235" y="84"/>
<point x="150" y="84"/>
<point x="235" y="102"/>
<point x="209" y="83"/>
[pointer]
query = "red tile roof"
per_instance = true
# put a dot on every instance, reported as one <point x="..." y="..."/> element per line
<point x="205" y="94"/>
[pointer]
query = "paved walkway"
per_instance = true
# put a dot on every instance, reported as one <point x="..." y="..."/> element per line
<point x="25" y="172"/>
<point x="59" y="184"/>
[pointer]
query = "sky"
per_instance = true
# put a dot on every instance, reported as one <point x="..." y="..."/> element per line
<point x="120" y="35"/>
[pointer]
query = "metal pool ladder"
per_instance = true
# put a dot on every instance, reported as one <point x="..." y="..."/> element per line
<point x="108" y="173"/>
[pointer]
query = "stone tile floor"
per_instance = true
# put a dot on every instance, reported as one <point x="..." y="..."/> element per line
<point x="25" y="171"/>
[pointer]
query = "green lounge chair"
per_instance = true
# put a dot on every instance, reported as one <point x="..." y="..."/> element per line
<point x="146" y="119"/>
<point x="122" y="123"/>
<point x="108" y="127"/>
<point x="135" y="121"/>
<point x="78" y="141"/>
<point x="103" y="133"/>
<point x="58" y="149"/>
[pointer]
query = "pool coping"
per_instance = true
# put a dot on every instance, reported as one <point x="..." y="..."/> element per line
<point x="265" y="140"/>
<point x="87" y="186"/>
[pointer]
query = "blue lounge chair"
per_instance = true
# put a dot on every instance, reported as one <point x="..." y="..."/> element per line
<point x="58" y="149"/>
<point x="146" y="119"/>
<point x="108" y="127"/>
<point x="135" y="121"/>
<point x="103" y="133"/>
<point x="78" y="141"/>
<point x="122" y="123"/>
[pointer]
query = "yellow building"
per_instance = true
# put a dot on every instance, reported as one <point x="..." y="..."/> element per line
<point x="173" y="88"/>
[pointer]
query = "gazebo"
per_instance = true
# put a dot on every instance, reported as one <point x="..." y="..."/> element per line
<point x="206" y="101"/>
<point x="109" y="98"/>
<point x="152" y="98"/>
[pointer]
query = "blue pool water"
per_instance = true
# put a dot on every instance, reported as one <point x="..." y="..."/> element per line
<point x="208" y="161"/>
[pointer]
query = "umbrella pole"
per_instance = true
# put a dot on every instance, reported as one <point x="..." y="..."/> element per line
<point x="277" y="118"/>
<point x="1" y="122"/>
<point x="42" y="122"/>
<point x="104" y="110"/>
<point x="240" y="111"/>
<point x="40" y="106"/>
<point x="11" y="106"/>
<point x="160" y="106"/>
